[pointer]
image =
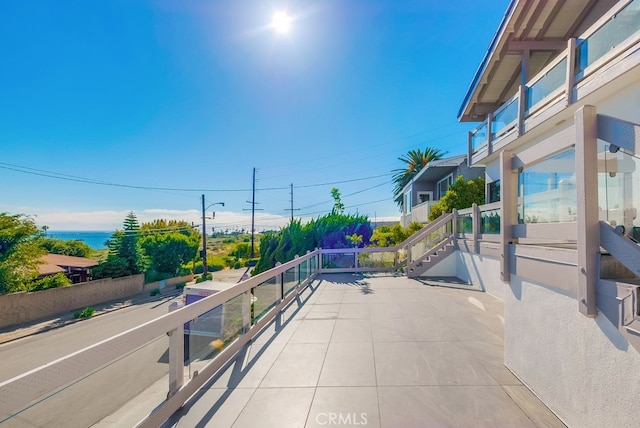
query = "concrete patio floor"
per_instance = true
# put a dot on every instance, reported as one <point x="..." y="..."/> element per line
<point x="372" y="351"/>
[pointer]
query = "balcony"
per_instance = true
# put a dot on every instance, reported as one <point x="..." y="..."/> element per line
<point x="299" y="345"/>
<point x="372" y="350"/>
<point x="599" y="56"/>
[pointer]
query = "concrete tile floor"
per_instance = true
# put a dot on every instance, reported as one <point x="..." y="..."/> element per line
<point x="372" y="351"/>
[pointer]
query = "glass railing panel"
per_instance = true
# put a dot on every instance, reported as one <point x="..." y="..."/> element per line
<point x="313" y="265"/>
<point x="304" y="270"/>
<point x="264" y="298"/>
<point x="552" y="80"/>
<point x="290" y="280"/>
<point x="619" y="28"/>
<point x="619" y="191"/>
<point x="342" y="260"/>
<point x="212" y="332"/>
<point x="464" y="223"/>
<point x="505" y="118"/>
<point x="99" y="396"/>
<point x="547" y="190"/>
<point x="430" y="241"/>
<point x="490" y="222"/>
<point x="479" y="137"/>
<point x="378" y="259"/>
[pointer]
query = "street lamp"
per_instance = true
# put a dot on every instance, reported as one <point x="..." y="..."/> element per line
<point x="204" y="235"/>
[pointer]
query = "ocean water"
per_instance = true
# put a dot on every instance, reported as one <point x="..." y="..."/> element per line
<point x="95" y="240"/>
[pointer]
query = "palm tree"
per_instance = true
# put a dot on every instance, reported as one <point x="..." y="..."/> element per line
<point x="415" y="160"/>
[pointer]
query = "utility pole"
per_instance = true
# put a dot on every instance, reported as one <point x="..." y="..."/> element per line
<point x="253" y="213"/>
<point x="204" y="235"/>
<point x="204" y="241"/>
<point x="292" y="209"/>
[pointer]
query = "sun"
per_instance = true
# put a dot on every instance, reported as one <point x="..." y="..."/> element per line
<point x="281" y="22"/>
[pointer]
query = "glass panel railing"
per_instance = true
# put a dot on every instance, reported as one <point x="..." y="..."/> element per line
<point x="619" y="191"/>
<point x="547" y="84"/>
<point x="464" y="223"/>
<point x="620" y="27"/>
<point x="341" y="260"/>
<point x="264" y="298"/>
<point x="479" y="137"/>
<point x="547" y="190"/>
<point x="430" y="241"/>
<point x="290" y="280"/>
<point x="505" y="118"/>
<point x="490" y="222"/>
<point x="211" y="332"/>
<point x="377" y="259"/>
<point x="304" y="271"/>
<point x="143" y="372"/>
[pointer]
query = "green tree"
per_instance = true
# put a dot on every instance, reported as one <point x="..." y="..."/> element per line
<point x="415" y="160"/>
<point x="386" y="236"/>
<point x="461" y="194"/>
<point x="338" y="206"/>
<point x="126" y="256"/>
<point x="169" y="244"/>
<point x="20" y="251"/>
<point x="74" y="247"/>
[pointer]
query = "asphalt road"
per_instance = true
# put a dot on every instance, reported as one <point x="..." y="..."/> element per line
<point x="89" y="400"/>
<point x="33" y="351"/>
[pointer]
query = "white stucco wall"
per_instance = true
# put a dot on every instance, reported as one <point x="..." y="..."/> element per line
<point x="481" y="271"/>
<point x="582" y="368"/>
<point x="446" y="267"/>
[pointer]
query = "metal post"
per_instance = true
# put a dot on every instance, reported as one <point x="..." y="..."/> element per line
<point x="176" y="355"/>
<point x="571" y="71"/>
<point x="585" y="120"/>
<point x="507" y="204"/>
<point x="246" y="311"/>
<point x="475" y="222"/>
<point x="489" y="133"/>
<point x="522" y="102"/>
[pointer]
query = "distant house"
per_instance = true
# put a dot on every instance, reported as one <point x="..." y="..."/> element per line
<point x="77" y="269"/>
<point x="430" y="184"/>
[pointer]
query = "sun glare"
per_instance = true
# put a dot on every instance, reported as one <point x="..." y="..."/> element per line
<point x="281" y="22"/>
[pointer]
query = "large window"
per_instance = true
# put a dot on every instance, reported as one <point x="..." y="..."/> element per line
<point x="425" y="197"/>
<point x="493" y="191"/>
<point x="547" y="190"/>
<point x="444" y="184"/>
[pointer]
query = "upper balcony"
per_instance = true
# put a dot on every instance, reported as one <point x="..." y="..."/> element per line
<point x="604" y="53"/>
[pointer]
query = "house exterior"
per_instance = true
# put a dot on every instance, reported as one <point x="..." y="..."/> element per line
<point x="557" y="102"/>
<point x="77" y="269"/>
<point x="430" y="184"/>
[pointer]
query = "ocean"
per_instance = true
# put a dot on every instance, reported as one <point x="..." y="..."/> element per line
<point x="95" y="240"/>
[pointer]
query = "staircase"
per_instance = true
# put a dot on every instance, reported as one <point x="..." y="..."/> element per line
<point x="429" y="246"/>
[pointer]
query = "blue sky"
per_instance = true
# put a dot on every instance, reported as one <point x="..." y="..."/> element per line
<point x="191" y="95"/>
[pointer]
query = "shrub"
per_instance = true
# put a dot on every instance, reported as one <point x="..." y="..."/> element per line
<point x="85" y="313"/>
<point x="237" y="265"/>
<point x="51" y="281"/>
<point x="154" y="292"/>
<point x="202" y="278"/>
<point x="215" y="267"/>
